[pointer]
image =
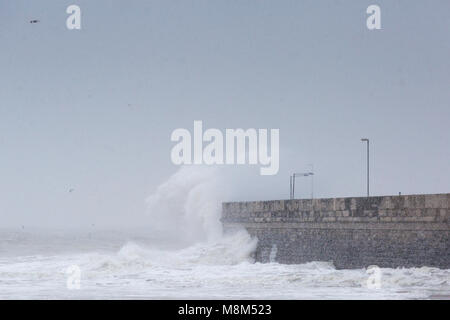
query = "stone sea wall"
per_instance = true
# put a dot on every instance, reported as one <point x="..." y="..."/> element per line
<point x="389" y="231"/>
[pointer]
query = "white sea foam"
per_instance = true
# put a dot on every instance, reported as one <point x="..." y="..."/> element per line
<point x="220" y="269"/>
<point x="202" y="263"/>
<point x="186" y="208"/>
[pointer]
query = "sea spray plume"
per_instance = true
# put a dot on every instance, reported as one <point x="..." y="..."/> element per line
<point x="186" y="208"/>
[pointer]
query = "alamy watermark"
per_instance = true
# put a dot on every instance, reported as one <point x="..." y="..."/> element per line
<point x="73" y="21"/>
<point x="240" y="146"/>
<point x="74" y="277"/>
<point x="373" y="22"/>
<point x="374" y="280"/>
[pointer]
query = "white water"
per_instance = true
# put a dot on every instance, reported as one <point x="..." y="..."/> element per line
<point x="186" y="208"/>
<point x="183" y="253"/>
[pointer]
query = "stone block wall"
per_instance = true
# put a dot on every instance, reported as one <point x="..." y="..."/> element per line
<point x="389" y="231"/>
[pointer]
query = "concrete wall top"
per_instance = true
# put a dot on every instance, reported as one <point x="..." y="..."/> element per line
<point x="428" y="207"/>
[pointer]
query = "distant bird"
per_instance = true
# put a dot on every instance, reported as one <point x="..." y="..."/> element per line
<point x="34" y="21"/>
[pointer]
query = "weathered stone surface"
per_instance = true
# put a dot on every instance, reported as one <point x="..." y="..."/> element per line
<point x="392" y="231"/>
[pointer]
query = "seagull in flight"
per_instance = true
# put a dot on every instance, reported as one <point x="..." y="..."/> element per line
<point x="34" y="21"/>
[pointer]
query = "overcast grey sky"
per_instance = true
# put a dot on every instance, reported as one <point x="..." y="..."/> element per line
<point x="93" y="109"/>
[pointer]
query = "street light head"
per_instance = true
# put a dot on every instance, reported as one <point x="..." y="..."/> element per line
<point x="365" y="139"/>
<point x="303" y="174"/>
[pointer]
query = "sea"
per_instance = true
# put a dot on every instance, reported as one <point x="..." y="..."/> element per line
<point x="121" y="265"/>
<point x="180" y="251"/>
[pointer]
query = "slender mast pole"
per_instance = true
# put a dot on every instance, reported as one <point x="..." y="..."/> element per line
<point x="368" y="168"/>
<point x="290" y="187"/>
<point x="293" y="186"/>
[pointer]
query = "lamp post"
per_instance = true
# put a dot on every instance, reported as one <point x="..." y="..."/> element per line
<point x="367" y="140"/>
<point x="290" y="188"/>
<point x="312" y="181"/>
<point x="295" y="175"/>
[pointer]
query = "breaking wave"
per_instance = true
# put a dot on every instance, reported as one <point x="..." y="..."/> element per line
<point x="202" y="261"/>
<point x="186" y="210"/>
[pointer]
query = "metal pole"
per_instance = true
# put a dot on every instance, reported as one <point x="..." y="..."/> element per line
<point x="290" y="187"/>
<point x="293" y="186"/>
<point x="367" y="140"/>
<point x="295" y="175"/>
<point x="368" y="168"/>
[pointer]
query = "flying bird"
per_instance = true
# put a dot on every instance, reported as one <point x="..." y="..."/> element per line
<point x="34" y="21"/>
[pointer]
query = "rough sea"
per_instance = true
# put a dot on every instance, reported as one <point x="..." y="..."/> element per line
<point x="115" y="265"/>
<point x="181" y="252"/>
